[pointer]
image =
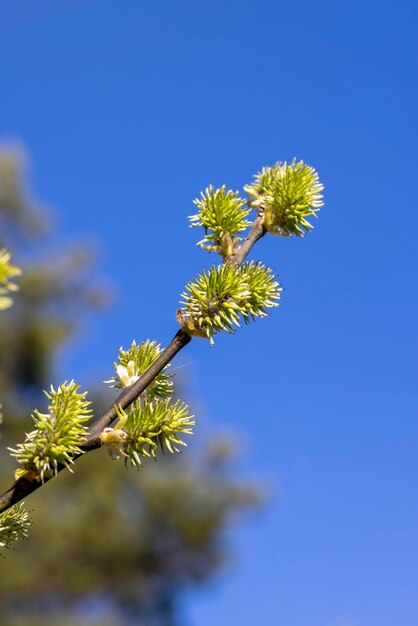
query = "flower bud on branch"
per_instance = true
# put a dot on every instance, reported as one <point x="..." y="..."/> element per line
<point x="289" y="194"/>
<point x="147" y="427"/>
<point x="14" y="525"/>
<point x="57" y="436"/>
<point x="222" y="215"/>
<point x="134" y="362"/>
<point x="215" y="299"/>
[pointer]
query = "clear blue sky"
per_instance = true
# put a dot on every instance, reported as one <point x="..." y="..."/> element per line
<point x="128" y="109"/>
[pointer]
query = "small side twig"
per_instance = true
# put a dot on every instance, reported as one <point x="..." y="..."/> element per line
<point x="257" y="231"/>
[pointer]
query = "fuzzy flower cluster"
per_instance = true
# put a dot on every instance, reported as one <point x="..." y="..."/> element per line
<point x="57" y="436"/>
<point x="153" y="422"/>
<point x="134" y="362"/>
<point x="7" y="272"/>
<point x="289" y="193"/>
<point x="222" y="213"/>
<point x="14" y="525"/>
<point x="14" y="522"/>
<point x="148" y="427"/>
<point x="217" y="299"/>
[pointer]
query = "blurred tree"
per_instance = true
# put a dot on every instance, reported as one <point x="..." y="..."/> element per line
<point x="108" y="546"/>
<point x="55" y="288"/>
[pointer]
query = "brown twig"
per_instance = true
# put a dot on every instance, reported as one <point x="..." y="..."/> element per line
<point x="257" y="231"/>
<point x="23" y="486"/>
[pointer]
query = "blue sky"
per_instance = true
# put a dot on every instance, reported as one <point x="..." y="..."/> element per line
<point x="128" y="109"/>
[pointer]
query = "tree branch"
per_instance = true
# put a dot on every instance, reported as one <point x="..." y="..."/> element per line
<point x="24" y="486"/>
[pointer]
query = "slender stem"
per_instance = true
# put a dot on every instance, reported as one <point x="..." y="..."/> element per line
<point x="22" y="487"/>
<point x="257" y="231"/>
<point x="131" y="393"/>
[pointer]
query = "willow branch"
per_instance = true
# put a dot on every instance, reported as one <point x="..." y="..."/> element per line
<point x="24" y="486"/>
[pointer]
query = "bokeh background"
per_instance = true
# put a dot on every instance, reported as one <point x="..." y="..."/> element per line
<point x="117" y="114"/>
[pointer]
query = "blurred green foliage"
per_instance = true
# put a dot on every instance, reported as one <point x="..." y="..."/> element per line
<point x="109" y="546"/>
